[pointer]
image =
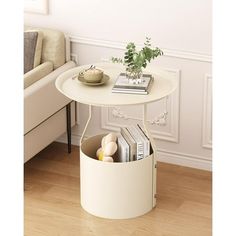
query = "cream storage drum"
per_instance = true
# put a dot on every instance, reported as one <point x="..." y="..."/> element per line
<point x="114" y="190"/>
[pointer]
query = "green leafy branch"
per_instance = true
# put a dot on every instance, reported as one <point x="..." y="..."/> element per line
<point x="136" y="60"/>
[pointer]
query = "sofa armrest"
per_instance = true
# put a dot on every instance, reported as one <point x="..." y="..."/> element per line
<point x="42" y="99"/>
<point x="37" y="73"/>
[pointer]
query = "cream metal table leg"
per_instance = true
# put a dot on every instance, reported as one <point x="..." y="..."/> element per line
<point x="154" y="174"/>
<point x="87" y="123"/>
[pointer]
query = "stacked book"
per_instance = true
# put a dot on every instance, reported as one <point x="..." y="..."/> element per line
<point x="125" y="85"/>
<point x="133" y="144"/>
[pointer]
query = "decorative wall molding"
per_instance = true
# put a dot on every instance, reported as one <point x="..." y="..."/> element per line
<point x="171" y="135"/>
<point x="121" y="45"/>
<point x="74" y="58"/>
<point x="207" y="113"/>
<point x="116" y="112"/>
<point x="161" y="119"/>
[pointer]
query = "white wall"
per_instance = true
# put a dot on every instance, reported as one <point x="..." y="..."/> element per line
<point x="100" y="29"/>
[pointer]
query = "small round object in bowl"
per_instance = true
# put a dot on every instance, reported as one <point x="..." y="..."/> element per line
<point x="93" y="75"/>
<point x="80" y="78"/>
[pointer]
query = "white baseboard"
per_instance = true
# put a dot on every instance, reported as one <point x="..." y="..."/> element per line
<point x="167" y="157"/>
<point x="74" y="139"/>
<point x="188" y="161"/>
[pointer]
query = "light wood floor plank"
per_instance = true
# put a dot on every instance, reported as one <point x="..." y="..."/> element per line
<point x="52" y="201"/>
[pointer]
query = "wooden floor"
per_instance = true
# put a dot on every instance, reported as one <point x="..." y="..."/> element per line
<point x="52" y="201"/>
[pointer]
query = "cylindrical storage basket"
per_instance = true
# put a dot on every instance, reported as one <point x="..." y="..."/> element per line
<point x="117" y="190"/>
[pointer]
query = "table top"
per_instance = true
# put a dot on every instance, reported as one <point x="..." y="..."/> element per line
<point x="163" y="85"/>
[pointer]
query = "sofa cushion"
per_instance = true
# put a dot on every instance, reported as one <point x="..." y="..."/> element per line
<point x="32" y="49"/>
<point x="42" y="99"/>
<point x="53" y="48"/>
<point x="37" y="73"/>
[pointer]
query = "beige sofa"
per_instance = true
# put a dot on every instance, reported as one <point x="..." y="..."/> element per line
<point x="47" y="113"/>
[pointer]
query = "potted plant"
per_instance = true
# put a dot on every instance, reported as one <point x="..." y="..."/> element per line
<point x="135" y="60"/>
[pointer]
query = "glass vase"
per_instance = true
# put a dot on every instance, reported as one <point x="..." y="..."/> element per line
<point x="134" y="76"/>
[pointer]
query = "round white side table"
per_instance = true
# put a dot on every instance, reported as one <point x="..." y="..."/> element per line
<point x="106" y="187"/>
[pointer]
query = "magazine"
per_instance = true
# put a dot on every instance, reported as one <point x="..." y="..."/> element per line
<point x="123" y="85"/>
